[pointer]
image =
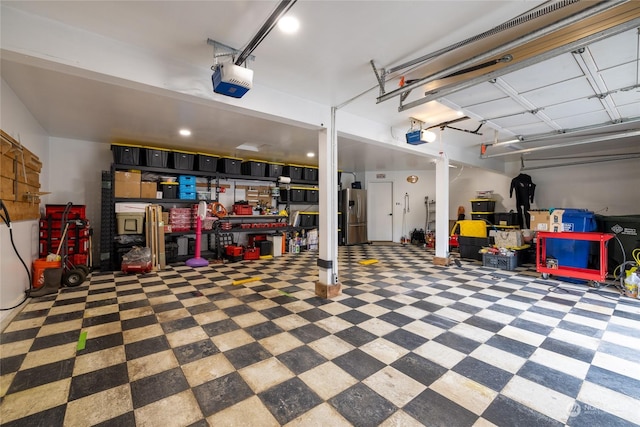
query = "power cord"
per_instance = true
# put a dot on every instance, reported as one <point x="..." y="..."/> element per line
<point x="7" y="220"/>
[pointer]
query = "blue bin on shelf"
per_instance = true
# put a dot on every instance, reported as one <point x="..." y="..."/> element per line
<point x="573" y="253"/>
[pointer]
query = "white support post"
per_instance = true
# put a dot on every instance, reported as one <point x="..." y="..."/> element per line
<point x="328" y="285"/>
<point x="442" y="210"/>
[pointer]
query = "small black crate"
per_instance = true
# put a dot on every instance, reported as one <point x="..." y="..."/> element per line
<point x="126" y="154"/>
<point x="503" y="262"/>
<point x="470" y="246"/>
<point x="485" y="216"/>
<point x="506" y="218"/>
<point x="156" y="157"/>
<point x="206" y="162"/>
<point x="311" y="195"/>
<point x="483" y="205"/>
<point x="274" y="170"/>
<point x="230" y="165"/>
<point x="293" y="172"/>
<point x="169" y="190"/>
<point x="253" y="168"/>
<point x="308" y="219"/>
<point x="182" y="160"/>
<point x="310" y="173"/>
<point x="293" y="195"/>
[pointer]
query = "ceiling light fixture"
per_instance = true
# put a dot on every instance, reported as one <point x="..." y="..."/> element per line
<point x="310" y="154"/>
<point x="184" y="132"/>
<point x="288" y="24"/>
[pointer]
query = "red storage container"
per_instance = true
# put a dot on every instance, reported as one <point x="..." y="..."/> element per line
<point x="232" y="250"/>
<point x="242" y="209"/>
<point x="252" y="253"/>
<point x="75" y="211"/>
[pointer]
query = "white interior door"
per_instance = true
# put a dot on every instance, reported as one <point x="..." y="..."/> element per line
<point x="380" y="211"/>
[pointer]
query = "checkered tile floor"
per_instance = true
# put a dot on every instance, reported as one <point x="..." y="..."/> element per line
<point x="406" y="344"/>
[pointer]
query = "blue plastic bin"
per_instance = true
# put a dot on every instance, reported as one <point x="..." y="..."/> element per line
<point x="573" y="253"/>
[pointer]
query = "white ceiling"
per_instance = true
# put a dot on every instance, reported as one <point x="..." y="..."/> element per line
<point x="327" y="62"/>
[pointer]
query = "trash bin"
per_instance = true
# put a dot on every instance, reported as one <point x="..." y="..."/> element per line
<point x="627" y="231"/>
<point x="573" y="253"/>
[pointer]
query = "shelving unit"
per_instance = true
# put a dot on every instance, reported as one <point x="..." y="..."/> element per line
<point x="430" y="225"/>
<point x="109" y="248"/>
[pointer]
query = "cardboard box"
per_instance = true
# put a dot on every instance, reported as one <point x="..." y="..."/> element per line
<point x="555" y="220"/>
<point x="131" y="207"/>
<point x="148" y="190"/>
<point x="540" y="220"/>
<point x="127" y="185"/>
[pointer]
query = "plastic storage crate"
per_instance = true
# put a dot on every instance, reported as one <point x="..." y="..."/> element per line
<point x="206" y="162"/>
<point x="506" y="218"/>
<point x="253" y="168"/>
<point x="483" y="205"/>
<point x="124" y="154"/>
<point x="503" y="262"/>
<point x="169" y="190"/>
<point x="156" y="157"/>
<point x="484" y="216"/>
<point x="230" y="165"/>
<point x="293" y="171"/>
<point x="295" y="194"/>
<point x="187" y="180"/>
<point x="274" y="170"/>
<point x="182" y="160"/>
<point x="311" y="195"/>
<point x="310" y="173"/>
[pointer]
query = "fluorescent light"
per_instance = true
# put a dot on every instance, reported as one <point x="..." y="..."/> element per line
<point x="428" y="136"/>
<point x="310" y="154"/>
<point x="288" y="24"/>
<point x="510" y="141"/>
<point x="185" y="132"/>
<point x="248" y="147"/>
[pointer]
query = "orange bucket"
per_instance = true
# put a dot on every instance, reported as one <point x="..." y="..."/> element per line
<point x="39" y="266"/>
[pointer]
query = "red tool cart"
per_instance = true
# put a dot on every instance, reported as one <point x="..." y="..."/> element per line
<point x="65" y="231"/>
<point x="550" y="266"/>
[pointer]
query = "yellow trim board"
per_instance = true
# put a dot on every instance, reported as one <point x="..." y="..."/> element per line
<point x="243" y="281"/>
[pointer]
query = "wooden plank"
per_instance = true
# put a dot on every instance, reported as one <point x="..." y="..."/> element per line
<point x="6" y="189"/>
<point x="6" y="167"/>
<point x="20" y="211"/>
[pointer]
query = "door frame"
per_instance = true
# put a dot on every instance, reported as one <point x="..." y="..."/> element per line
<point x="370" y="221"/>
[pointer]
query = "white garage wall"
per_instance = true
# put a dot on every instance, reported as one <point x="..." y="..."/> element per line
<point x="18" y="122"/>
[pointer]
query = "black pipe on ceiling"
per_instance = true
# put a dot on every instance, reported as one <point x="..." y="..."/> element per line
<point x="266" y="28"/>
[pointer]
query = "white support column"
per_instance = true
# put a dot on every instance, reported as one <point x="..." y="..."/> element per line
<point x="328" y="285"/>
<point x="442" y="210"/>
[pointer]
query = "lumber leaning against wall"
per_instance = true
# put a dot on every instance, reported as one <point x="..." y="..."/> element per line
<point x="19" y="179"/>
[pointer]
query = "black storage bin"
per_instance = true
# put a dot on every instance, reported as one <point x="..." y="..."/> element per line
<point x="230" y="165"/>
<point x="182" y="160"/>
<point x="506" y="218"/>
<point x="470" y="246"/>
<point x="156" y="157"/>
<point x="483" y="205"/>
<point x="266" y="247"/>
<point x="627" y="230"/>
<point x="485" y="216"/>
<point x="311" y="196"/>
<point x="169" y="190"/>
<point x="253" y="168"/>
<point x="310" y="174"/>
<point x="126" y="154"/>
<point x="274" y="170"/>
<point x="206" y="162"/>
<point x="295" y="194"/>
<point x="293" y="172"/>
<point x="308" y="219"/>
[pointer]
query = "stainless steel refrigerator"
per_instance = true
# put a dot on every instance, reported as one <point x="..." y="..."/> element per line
<point x="354" y="211"/>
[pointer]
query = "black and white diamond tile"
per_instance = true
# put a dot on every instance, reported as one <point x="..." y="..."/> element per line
<point x="406" y="343"/>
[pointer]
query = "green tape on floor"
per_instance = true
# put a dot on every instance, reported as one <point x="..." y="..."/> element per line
<point x="285" y="293"/>
<point x="82" y="341"/>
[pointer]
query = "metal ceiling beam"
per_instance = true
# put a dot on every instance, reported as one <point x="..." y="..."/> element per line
<point x="594" y="10"/>
<point x="588" y="66"/>
<point x="601" y="138"/>
<point x="456" y="87"/>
